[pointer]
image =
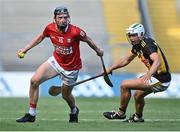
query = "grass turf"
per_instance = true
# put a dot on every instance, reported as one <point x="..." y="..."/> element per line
<point x="159" y="114"/>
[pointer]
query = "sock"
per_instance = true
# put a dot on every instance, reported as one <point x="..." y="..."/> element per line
<point x="122" y="111"/>
<point x="138" y="115"/>
<point x="32" y="109"/>
<point x="73" y="110"/>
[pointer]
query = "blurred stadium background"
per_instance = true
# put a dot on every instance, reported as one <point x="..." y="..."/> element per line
<point x="104" y="20"/>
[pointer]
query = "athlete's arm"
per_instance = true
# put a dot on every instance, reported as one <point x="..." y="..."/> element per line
<point x="122" y="62"/>
<point x="89" y="41"/>
<point x="156" y="63"/>
<point x="39" y="38"/>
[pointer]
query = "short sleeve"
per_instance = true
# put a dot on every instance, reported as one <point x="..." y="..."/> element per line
<point x="46" y="31"/>
<point x="151" y="48"/>
<point x="81" y="34"/>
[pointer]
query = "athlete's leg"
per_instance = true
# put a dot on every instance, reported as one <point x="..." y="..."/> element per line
<point x="139" y="100"/>
<point x="153" y="86"/>
<point x="67" y="96"/>
<point x="43" y="73"/>
<point x="139" y="105"/>
<point x="124" y="98"/>
<point x="126" y="87"/>
<point x="69" y="78"/>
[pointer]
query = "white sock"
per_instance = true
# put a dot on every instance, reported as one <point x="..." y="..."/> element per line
<point x="32" y="111"/>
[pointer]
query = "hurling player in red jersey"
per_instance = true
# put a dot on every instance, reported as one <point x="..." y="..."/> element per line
<point x="65" y="61"/>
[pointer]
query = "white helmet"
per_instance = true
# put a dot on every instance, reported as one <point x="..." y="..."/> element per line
<point x="136" y="28"/>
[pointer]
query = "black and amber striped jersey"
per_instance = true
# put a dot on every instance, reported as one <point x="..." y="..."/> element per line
<point x="144" y="50"/>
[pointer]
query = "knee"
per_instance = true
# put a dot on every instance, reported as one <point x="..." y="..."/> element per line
<point x="35" y="82"/>
<point x="137" y="97"/>
<point x="123" y="85"/>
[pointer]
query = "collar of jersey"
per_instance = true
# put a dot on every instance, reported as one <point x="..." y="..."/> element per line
<point x="66" y="28"/>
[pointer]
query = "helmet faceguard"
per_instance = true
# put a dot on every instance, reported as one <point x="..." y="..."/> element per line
<point x="135" y="29"/>
<point x="59" y="11"/>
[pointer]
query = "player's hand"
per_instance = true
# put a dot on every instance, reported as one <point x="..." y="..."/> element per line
<point x="145" y="78"/>
<point x="100" y="52"/>
<point x="109" y="71"/>
<point x="20" y="52"/>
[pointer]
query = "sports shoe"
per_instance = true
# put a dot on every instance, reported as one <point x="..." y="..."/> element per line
<point x="27" y="118"/>
<point x="114" y="115"/>
<point x="73" y="118"/>
<point x="134" y="118"/>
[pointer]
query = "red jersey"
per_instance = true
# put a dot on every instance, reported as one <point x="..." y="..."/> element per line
<point x="67" y="52"/>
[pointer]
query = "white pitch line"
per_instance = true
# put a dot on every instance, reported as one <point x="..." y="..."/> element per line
<point x="97" y="120"/>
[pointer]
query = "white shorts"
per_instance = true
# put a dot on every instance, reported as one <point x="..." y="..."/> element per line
<point x="157" y="86"/>
<point x="67" y="77"/>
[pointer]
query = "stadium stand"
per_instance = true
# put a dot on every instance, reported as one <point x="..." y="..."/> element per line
<point x="166" y="27"/>
<point x="178" y="7"/>
<point x="104" y="20"/>
<point x="118" y="16"/>
<point x="20" y="24"/>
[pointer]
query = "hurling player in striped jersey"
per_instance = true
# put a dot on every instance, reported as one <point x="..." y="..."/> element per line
<point x="156" y="79"/>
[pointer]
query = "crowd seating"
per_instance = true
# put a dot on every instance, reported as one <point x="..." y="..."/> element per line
<point x="166" y="27"/>
<point x="118" y="16"/>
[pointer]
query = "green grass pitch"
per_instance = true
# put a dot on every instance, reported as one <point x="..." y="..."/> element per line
<point x="159" y="114"/>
